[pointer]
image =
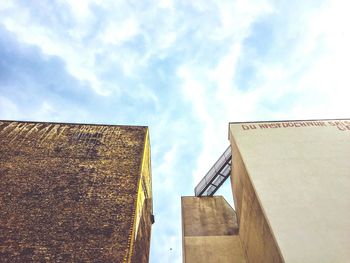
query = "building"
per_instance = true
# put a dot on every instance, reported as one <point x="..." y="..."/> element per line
<point x="290" y="183"/>
<point x="74" y="193"/>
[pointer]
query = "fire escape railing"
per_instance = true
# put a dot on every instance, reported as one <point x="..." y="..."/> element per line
<point x="216" y="176"/>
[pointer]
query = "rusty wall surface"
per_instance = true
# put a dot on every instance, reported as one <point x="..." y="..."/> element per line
<point x="210" y="231"/>
<point x="68" y="191"/>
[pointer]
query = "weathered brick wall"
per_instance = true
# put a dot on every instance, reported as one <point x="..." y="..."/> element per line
<point x="67" y="191"/>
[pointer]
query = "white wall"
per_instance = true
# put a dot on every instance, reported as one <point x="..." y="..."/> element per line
<point x="300" y="172"/>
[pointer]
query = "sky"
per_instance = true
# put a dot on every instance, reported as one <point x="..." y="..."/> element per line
<point x="183" y="68"/>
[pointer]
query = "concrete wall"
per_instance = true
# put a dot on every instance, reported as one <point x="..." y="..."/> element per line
<point x="210" y="231"/>
<point x="255" y="233"/>
<point x="291" y="185"/>
<point x="213" y="249"/>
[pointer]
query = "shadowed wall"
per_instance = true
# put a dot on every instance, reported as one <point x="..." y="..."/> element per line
<point x="210" y="231"/>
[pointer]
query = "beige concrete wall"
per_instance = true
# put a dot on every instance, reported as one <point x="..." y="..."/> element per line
<point x="291" y="183"/>
<point x="208" y="216"/>
<point x="213" y="249"/>
<point x="255" y="233"/>
<point x="210" y="231"/>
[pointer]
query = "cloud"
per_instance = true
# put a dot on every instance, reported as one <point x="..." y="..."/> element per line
<point x="79" y="64"/>
<point x="8" y="109"/>
<point x="292" y="76"/>
<point x="118" y="33"/>
<point x="79" y="45"/>
<point x="185" y="68"/>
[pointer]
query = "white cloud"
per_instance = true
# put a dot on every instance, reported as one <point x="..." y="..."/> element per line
<point x="314" y="68"/>
<point x="211" y="89"/>
<point x="80" y="8"/>
<point x="79" y="60"/>
<point x="8" y="109"/>
<point x="167" y="170"/>
<point x="6" y="4"/>
<point x="70" y="45"/>
<point x="168" y="4"/>
<point x="118" y="33"/>
<point x="236" y="17"/>
<point x="302" y="74"/>
<point x="88" y="35"/>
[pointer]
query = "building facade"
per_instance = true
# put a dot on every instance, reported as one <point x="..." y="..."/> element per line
<point x="74" y="193"/>
<point x="290" y="183"/>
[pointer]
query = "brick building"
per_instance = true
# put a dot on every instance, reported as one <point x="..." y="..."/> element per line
<point x="74" y="193"/>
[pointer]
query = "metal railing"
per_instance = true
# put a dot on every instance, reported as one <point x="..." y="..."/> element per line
<point x="216" y="176"/>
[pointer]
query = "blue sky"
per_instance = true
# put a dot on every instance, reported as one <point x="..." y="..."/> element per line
<point x="184" y="68"/>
